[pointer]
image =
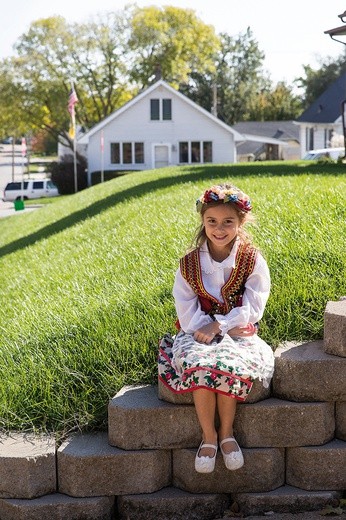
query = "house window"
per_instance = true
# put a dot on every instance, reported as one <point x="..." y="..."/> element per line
<point x="166" y="109"/>
<point x="160" y="109"/>
<point x="207" y="152"/>
<point x="139" y="153"/>
<point x="127" y="153"/>
<point x="155" y="109"/>
<point x="195" y="152"/>
<point x="328" y="134"/>
<point x="115" y="153"/>
<point x="309" y="138"/>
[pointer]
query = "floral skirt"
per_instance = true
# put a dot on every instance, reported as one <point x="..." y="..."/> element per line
<point x="228" y="365"/>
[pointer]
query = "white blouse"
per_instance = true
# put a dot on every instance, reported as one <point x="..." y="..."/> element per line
<point x="214" y="276"/>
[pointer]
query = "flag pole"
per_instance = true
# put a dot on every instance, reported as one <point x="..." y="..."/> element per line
<point x="75" y="162"/>
<point x="71" y="103"/>
<point x="102" y="157"/>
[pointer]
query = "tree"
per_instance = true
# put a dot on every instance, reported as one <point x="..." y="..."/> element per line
<point x="173" y="39"/>
<point x="316" y="81"/>
<point x="51" y="54"/>
<point x="275" y="104"/>
<point x="238" y="78"/>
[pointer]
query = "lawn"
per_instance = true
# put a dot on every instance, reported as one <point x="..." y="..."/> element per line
<point x="85" y="282"/>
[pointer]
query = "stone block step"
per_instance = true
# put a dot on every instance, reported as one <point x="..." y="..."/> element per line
<point x="317" y="467"/>
<point x="264" y="470"/>
<point x="88" y="466"/>
<point x="305" y="372"/>
<point x="280" y="423"/>
<point x="172" y="504"/>
<point x="27" y="466"/>
<point x="138" y="419"/>
<point x="285" y="499"/>
<point x="340" y="420"/>
<point x="57" y="507"/>
<point x="335" y="328"/>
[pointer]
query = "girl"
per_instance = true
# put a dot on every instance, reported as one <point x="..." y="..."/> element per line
<point x="220" y="292"/>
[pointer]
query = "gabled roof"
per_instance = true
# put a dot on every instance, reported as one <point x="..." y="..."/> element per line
<point x="146" y="92"/>
<point x="327" y="107"/>
<point x="283" y="130"/>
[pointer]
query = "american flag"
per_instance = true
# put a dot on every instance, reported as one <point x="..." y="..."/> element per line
<point x="72" y="100"/>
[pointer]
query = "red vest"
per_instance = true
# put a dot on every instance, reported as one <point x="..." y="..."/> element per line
<point x="232" y="291"/>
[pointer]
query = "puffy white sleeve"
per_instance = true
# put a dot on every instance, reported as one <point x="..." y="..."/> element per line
<point x="255" y="297"/>
<point x="189" y="312"/>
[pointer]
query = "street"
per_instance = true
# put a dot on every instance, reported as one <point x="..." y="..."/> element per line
<point x="12" y="165"/>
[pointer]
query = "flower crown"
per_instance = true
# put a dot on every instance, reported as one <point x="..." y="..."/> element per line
<point x="227" y="193"/>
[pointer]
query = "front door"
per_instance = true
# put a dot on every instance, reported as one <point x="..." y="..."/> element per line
<point x="161" y="155"/>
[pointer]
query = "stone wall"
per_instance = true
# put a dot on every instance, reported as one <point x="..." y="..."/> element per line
<point x="293" y="437"/>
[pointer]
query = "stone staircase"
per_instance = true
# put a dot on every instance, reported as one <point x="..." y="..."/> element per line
<point x="293" y="438"/>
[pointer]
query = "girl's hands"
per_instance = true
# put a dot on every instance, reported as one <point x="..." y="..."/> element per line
<point x="207" y="333"/>
<point x="249" y="330"/>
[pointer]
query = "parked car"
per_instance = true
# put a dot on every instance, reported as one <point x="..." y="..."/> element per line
<point x="324" y="153"/>
<point x="31" y="189"/>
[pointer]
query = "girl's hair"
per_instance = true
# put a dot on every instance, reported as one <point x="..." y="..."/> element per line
<point x="220" y="195"/>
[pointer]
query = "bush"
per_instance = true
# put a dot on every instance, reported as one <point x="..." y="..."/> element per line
<point x="62" y="175"/>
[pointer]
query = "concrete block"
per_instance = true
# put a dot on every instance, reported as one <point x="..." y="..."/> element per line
<point x="172" y="504"/>
<point x="88" y="466"/>
<point x="317" y="467"/>
<point x="258" y="392"/>
<point x="58" y="507"/>
<point x="264" y="470"/>
<point x="279" y="423"/>
<point x="138" y="419"/>
<point x="335" y="328"/>
<point x="27" y="466"/>
<point x="304" y="372"/>
<point x="285" y="499"/>
<point x="340" y="418"/>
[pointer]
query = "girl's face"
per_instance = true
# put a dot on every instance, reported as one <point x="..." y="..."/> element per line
<point x="221" y="225"/>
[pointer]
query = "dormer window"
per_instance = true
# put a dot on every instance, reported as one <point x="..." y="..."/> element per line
<point x="161" y="109"/>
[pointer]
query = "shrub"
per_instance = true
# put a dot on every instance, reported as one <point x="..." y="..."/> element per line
<point x="62" y="174"/>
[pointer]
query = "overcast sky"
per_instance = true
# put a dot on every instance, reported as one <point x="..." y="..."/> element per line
<point x="289" y="33"/>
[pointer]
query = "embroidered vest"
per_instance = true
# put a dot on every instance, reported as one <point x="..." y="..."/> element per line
<point x="233" y="289"/>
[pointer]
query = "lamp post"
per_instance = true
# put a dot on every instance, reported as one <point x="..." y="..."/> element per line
<point x="333" y="33"/>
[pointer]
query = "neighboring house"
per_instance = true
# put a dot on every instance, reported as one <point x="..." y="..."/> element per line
<point x="160" y="127"/>
<point x="322" y="120"/>
<point x="285" y="131"/>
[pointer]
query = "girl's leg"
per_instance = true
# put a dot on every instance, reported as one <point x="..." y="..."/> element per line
<point x="205" y="404"/>
<point x="226" y="407"/>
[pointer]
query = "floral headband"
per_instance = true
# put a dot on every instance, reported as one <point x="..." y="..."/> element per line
<point x="227" y="193"/>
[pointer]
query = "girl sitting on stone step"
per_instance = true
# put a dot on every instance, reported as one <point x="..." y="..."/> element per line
<point x="220" y="292"/>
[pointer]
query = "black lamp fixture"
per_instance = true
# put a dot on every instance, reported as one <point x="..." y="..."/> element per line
<point x="338" y="31"/>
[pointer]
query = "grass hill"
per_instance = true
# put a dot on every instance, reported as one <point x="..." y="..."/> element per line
<point x="85" y="282"/>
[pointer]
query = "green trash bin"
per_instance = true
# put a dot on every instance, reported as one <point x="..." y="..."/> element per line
<point x="18" y="205"/>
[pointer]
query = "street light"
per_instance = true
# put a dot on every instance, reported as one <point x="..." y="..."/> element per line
<point x="340" y="31"/>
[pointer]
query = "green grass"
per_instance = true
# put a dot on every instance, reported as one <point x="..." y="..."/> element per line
<point x="85" y="281"/>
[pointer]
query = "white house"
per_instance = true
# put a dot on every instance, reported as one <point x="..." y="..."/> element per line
<point x="160" y="127"/>
<point x="322" y="123"/>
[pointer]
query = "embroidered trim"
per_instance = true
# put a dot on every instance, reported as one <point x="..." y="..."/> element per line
<point x="232" y="290"/>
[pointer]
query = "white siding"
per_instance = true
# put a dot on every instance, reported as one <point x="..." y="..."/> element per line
<point x="134" y="125"/>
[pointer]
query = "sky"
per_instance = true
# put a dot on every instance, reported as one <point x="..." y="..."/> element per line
<point x="290" y="34"/>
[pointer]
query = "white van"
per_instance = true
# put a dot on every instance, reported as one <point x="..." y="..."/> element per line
<point x="324" y="153"/>
<point x="31" y="189"/>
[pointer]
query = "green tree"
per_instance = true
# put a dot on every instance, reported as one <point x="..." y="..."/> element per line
<point x="316" y="81"/>
<point x="275" y="104"/>
<point x="174" y="40"/>
<point x="238" y="78"/>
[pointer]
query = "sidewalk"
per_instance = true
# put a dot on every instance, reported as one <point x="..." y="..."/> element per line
<point x="7" y="209"/>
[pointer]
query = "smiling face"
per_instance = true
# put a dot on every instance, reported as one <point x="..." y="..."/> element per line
<point x="221" y="225"/>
